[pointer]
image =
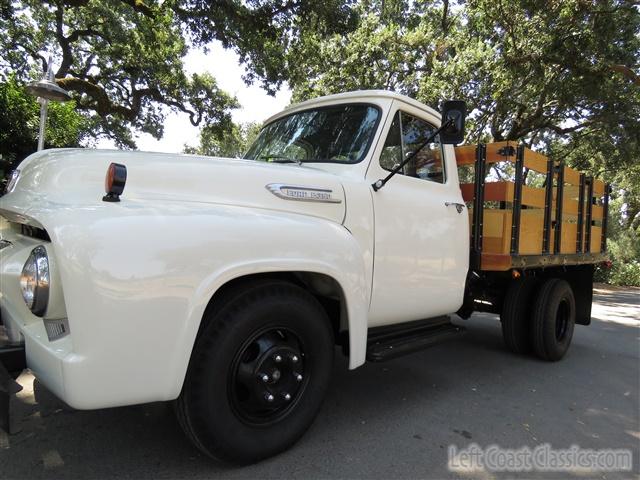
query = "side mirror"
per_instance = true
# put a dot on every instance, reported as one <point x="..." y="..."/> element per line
<point x="455" y="111"/>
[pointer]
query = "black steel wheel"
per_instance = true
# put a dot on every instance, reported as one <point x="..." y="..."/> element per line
<point x="553" y="320"/>
<point x="267" y="377"/>
<point x="258" y="372"/>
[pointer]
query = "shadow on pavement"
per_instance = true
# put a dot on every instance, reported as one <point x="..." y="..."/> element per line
<point x="386" y="420"/>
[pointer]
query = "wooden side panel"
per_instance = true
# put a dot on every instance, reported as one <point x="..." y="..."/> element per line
<point x="497" y="231"/>
<point x="535" y="161"/>
<point x="569" y="206"/>
<point x="569" y="232"/>
<point x="465" y="154"/>
<point x="596" y="239"/>
<point x="495" y="262"/>
<point x="503" y="192"/>
<point x="598" y="188"/>
<point x="531" y="230"/>
<point x="532" y="197"/>
<point x="498" y="214"/>
<point x="571" y="176"/>
<point x="596" y="212"/>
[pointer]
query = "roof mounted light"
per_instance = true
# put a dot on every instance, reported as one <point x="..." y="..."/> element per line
<point x="114" y="182"/>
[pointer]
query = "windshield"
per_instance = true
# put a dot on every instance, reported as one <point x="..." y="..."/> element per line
<point x="339" y="133"/>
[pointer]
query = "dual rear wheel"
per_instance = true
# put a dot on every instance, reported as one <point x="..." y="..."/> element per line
<point x="539" y="317"/>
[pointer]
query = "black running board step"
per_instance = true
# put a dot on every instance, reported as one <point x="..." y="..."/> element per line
<point x="388" y="346"/>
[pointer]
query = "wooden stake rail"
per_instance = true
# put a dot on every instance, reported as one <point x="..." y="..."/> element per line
<point x="561" y="221"/>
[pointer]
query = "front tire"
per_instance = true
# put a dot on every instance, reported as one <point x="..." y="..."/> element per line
<point x="258" y="373"/>
<point x="553" y="321"/>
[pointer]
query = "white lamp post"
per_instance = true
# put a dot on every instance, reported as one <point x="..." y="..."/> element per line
<point x="46" y="89"/>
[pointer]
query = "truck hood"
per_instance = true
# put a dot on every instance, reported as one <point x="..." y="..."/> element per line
<point x="75" y="177"/>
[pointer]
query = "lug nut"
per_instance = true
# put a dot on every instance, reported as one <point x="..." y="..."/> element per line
<point x="264" y="377"/>
<point x="298" y="377"/>
<point x="287" y="397"/>
<point x="294" y="359"/>
<point x="277" y="358"/>
<point x="268" y="397"/>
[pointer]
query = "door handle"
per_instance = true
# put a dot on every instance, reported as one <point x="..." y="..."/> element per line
<point x="459" y="206"/>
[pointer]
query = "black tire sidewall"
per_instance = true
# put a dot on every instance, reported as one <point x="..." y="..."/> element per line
<point x="552" y="294"/>
<point x="216" y="425"/>
<point x="516" y="315"/>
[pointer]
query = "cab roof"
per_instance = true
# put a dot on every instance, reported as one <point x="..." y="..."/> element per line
<point x="357" y="95"/>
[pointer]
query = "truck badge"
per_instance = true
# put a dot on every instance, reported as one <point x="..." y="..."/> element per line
<point x="302" y="194"/>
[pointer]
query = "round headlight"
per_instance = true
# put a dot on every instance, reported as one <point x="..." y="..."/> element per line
<point x="34" y="281"/>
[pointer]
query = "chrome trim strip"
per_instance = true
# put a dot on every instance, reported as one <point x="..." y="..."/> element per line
<point x="301" y="193"/>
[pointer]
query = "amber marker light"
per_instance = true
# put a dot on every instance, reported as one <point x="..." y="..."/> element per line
<point x="114" y="182"/>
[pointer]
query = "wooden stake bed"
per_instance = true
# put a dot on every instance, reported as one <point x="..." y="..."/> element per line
<point x="546" y="214"/>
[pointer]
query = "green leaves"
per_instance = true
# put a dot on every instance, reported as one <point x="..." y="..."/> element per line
<point x="232" y="142"/>
<point x="121" y="60"/>
<point x="19" y="120"/>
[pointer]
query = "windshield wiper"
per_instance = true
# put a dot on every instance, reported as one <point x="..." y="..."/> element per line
<point x="279" y="159"/>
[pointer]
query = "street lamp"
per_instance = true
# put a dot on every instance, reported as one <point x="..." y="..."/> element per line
<point x="46" y="89"/>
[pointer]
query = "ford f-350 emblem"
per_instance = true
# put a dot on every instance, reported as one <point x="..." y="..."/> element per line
<point x="302" y="193"/>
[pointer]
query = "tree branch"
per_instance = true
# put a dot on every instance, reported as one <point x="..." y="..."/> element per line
<point x="626" y="72"/>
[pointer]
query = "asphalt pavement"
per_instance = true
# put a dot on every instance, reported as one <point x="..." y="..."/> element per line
<point x="387" y="420"/>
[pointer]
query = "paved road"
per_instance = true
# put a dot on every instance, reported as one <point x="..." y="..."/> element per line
<point x="391" y="420"/>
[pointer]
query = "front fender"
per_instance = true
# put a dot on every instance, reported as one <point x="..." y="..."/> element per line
<point x="137" y="279"/>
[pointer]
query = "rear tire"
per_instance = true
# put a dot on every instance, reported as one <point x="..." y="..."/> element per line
<point x="516" y="315"/>
<point x="553" y="321"/>
<point x="258" y="373"/>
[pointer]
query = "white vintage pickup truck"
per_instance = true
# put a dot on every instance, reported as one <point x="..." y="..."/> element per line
<point x="224" y="285"/>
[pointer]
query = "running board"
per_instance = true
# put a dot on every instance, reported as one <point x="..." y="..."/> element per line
<point x="394" y="341"/>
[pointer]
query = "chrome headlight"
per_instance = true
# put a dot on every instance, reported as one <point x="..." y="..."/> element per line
<point x="13" y="179"/>
<point x="34" y="281"/>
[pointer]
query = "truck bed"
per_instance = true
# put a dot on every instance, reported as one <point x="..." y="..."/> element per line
<point x="542" y="214"/>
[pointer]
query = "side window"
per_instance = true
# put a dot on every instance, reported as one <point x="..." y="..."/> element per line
<point x="391" y="155"/>
<point x="405" y="136"/>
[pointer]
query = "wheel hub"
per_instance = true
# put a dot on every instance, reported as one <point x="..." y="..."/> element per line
<point x="267" y="376"/>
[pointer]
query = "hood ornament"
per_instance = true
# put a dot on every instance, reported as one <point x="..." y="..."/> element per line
<point x="302" y="193"/>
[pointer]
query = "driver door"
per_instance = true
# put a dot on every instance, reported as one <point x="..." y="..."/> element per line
<point x="421" y="240"/>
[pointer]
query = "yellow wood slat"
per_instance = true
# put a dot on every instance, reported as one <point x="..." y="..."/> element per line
<point x="568" y="241"/>
<point x="531" y="230"/>
<point x="571" y="191"/>
<point x="596" y="212"/>
<point x="598" y="188"/>
<point x="465" y="154"/>
<point x="493" y="148"/>
<point x="596" y="239"/>
<point x="503" y="192"/>
<point x="498" y="192"/>
<point x="571" y="176"/>
<point x="495" y="262"/>
<point x="569" y="206"/>
<point x="496" y="231"/>
<point x="533" y="197"/>
<point x="535" y="161"/>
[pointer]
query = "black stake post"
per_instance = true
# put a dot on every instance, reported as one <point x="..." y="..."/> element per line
<point x="548" y="202"/>
<point x="378" y="184"/>
<point x="589" y="199"/>
<point x="478" y="206"/>
<point x="580" y="214"/>
<point x="559" y="197"/>
<point x="605" y="214"/>
<point x="517" y="201"/>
